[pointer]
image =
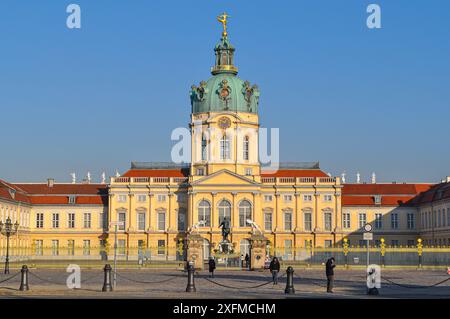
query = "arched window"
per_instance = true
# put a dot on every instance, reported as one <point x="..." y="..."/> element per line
<point x="246" y="150"/>
<point x="224" y="148"/>
<point x="224" y="211"/>
<point x="245" y="212"/>
<point x="204" y="213"/>
<point x="204" y="148"/>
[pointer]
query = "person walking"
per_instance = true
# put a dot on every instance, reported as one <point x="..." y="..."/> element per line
<point x="247" y="261"/>
<point x="329" y="271"/>
<point x="212" y="267"/>
<point x="274" y="269"/>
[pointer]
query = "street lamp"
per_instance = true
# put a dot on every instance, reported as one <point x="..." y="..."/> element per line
<point x="8" y="229"/>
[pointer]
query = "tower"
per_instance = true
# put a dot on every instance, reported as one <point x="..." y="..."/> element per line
<point x="224" y="118"/>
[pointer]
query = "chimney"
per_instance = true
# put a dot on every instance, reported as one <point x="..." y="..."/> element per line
<point x="50" y="182"/>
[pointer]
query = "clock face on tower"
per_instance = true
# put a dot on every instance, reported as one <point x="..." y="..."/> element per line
<point x="224" y="122"/>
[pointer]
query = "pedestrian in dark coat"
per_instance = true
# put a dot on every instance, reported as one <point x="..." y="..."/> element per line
<point x="212" y="267"/>
<point x="274" y="269"/>
<point x="329" y="271"/>
<point x="247" y="260"/>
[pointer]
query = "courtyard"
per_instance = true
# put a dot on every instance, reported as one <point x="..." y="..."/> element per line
<point x="241" y="284"/>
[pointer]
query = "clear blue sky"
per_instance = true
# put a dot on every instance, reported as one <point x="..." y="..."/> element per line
<point x="352" y="98"/>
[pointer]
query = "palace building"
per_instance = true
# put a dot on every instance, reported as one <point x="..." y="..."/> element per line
<point x="154" y="206"/>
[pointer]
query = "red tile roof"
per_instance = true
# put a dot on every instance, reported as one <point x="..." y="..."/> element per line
<point x="64" y="200"/>
<point x="12" y="193"/>
<point x="437" y="192"/>
<point x="41" y="194"/>
<point x="391" y="194"/>
<point x="388" y="200"/>
<point x="64" y="189"/>
<point x="385" y="189"/>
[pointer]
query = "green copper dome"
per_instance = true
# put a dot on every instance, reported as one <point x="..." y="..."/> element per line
<point x="224" y="91"/>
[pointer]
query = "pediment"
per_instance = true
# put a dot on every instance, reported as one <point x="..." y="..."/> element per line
<point x="225" y="177"/>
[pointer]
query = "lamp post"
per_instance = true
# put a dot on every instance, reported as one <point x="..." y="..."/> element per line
<point x="8" y="229"/>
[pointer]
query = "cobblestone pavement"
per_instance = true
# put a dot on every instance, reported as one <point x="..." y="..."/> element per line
<point x="309" y="283"/>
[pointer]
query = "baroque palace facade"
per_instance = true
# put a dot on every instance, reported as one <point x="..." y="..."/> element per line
<point x="155" y="205"/>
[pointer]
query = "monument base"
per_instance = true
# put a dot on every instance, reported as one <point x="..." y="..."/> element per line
<point x="195" y="250"/>
<point x="258" y="252"/>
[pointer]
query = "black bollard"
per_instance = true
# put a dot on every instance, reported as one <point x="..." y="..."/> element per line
<point x="191" y="285"/>
<point x="290" y="281"/>
<point x="24" y="279"/>
<point x="107" y="286"/>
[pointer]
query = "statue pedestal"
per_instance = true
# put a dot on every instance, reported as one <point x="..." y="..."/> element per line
<point x="258" y="252"/>
<point x="195" y="250"/>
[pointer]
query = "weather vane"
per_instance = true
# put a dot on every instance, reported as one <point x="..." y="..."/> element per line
<point x="223" y="19"/>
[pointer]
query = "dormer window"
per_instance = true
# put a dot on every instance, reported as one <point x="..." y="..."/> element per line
<point x="72" y="199"/>
<point x="12" y="192"/>
<point x="377" y="199"/>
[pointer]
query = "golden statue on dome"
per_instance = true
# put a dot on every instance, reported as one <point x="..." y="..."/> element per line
<point x="224" y="19"/>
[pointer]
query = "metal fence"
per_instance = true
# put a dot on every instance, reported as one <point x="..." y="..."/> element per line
<point x="387" y="256"/>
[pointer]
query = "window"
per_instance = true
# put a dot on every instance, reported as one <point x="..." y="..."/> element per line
<point x="142" y="198"/>
<point x="55" y="247"/>
<point x="121" y="198"/>
<point x="378" y="221"/>
<point x="161" y="247"/>
<point x="87" y="220"/>
<point x="439" y="218"/>
<point x="224" y="210"/>
<point x="327" y="198"/>
<point x="394" y="221"/>
<point x="55" y="220"/>
<point x="362" y="219"/>
<point x="40" y="220"/>
<point x="268" y="198"/>
<point x="307" y="198"/>
<point x="71" y="220"/>
<point x="346" y="220"/>
<point x="86" y="247"/>
<point x="307" y="221"/>
<point x="362" y="243"/>
<point x="448" y="216"/>
<point x="200" y="171"/>
<point x="224" y="148"/>
<point x="246" y="148"/>
<point x="287" y="198"/>
<point x="121" y="218"/>
<point x="248" y="171"/>
<point x="377" y="199"/>
<point x="268" y="221"/>
<point x="204" y="149"/>
<point x="287" y="249"/>
<point x="327" y="221"/>
<point x="102" y="221"/>
<point x="161" y="198"/>
<point x="394" y="242"/>
<point x="288" y="220"/>
<point x="141" y="220"/>
<point x="181" y="219"/>
<point x="72" y="199"/>
<point x="162" y="220"/>
<point x="39" y="243"/>
<point x="328" y="243"/>
<point x="411" y="243"/>
<point x="245" y="212"/>
<point x="204" y="213"/>
<point x="411" y="221"/>
<point x="121" y="246"/>
<point x="70" y="247"/>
